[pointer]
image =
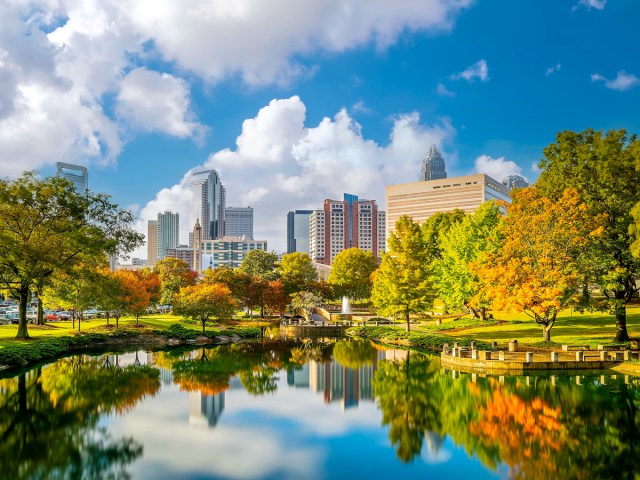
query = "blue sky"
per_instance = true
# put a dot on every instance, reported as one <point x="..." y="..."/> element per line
<point x="350" y="94"/>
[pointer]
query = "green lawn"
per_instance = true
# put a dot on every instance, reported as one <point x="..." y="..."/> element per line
<point x="62" y="328"/>
<point x="570" y="328"/>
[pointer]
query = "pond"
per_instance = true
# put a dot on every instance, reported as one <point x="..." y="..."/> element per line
<point x="306" y="409"/>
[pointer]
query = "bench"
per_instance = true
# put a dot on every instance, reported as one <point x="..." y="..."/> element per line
<point x="567" y="348"/>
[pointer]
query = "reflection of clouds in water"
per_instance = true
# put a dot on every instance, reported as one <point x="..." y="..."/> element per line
<point x="433" y="451"/>
<point x="255" y="437"/>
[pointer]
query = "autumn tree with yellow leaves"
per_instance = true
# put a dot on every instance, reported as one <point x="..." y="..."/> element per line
<point x="543" y="264"/>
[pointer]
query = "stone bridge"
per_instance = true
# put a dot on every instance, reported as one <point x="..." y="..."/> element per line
<point x="315" y="314"/>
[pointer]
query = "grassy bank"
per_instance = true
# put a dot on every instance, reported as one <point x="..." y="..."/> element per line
<point x="571" y="328"/>
<point x="54" y="340"/>
<point x="416" y="340"/>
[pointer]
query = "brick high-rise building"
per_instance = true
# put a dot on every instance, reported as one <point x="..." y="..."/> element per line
<point x="343" y="224"/>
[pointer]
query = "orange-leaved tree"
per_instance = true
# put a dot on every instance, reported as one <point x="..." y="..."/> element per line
<point x="543" y="263"/>
<point x="203" y="302"/>
<point x="122" y="292"/>
<point x="150" y="281"/>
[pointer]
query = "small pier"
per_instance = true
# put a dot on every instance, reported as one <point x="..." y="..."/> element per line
<point x="470" y="359"/>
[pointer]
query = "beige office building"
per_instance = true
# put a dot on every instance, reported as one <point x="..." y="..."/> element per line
<point x="152" y="242"/>
<point x="420" y="200"/>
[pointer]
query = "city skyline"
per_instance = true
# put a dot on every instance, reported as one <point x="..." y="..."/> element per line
<point x="323" y="108"/>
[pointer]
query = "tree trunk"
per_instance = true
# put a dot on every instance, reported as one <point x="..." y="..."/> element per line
<point x="408" y="322"/>
<point x="546" y="333"/>
<point x="40" y="319"/>
<point x="474" y="314"/>
<point x="73" y="319"/>
<point x="117" y="321"/>
<point x="483" y="313"/>
<point x="621" y="322"/>
<point x="23" y="292"/>
<point x="203" y="322"/>
<point x="79" y="318"/>
<point x="107" y="314"/>
<point x="137" y="323"/>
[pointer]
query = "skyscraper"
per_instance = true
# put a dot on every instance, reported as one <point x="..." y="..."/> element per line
<point x="168" y="232"/>
<point x="515" y="181"/>
<point x="349" y="223"/>
<point x="238" y="222"/>
<point x="76" y="174"/>
<point x="433" y="167"/>
<point x="207" y="204"/>
<point x="298" y="231"/>
<point x="152" y="242"/>
<point x="196" y="235"/>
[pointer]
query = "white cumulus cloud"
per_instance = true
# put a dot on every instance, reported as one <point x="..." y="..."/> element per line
<point x="62" y="61"/>
<point x="154" y="101"/>
<point x="623" y="81"/>
<point x="496" y="168"/>
<point x="479" y="71"/>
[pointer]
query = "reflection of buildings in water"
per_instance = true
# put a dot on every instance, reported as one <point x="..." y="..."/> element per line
<point x="341" y="384"/>
<point x="166" y="376"/>
<point x="205" y="410"/>
<point x="433" y="441"/>
<point x="298" y="378"/>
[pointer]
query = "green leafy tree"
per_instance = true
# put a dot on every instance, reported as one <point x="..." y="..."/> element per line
<point x="305" y="299"/>
<point x="436" y="228"/>
<point x="402" y="285"/>
<point x="258" y="263"/>
<point x="74" y="290"/>
<point x="174" y="274"/>
<point x="203" y="302"/>
<point x="297" y="271"/>
<point x="467" y="242"/>
<point x="47" y="227"/>
<point x="602" y="168"/>
<point x="351" y="273"/>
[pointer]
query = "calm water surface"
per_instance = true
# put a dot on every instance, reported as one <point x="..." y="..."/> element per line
<point x="310" y="410"/>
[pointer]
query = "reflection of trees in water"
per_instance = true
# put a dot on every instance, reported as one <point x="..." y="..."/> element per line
<point x="402" y="392"/>
<point x="354" y="354"/>
<point x="256" y="364"/>
<point x="49" y="417"/>
<point x="539" y="431"/>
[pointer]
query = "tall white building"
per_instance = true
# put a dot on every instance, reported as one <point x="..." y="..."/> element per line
<point x="76" y="174"/>
<point x="207" y="204"/>
<point x="238" y="222"/>
<point x="227" y="251"/>
<point x="343" y="224"/>
<point x="168" y="232"/>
